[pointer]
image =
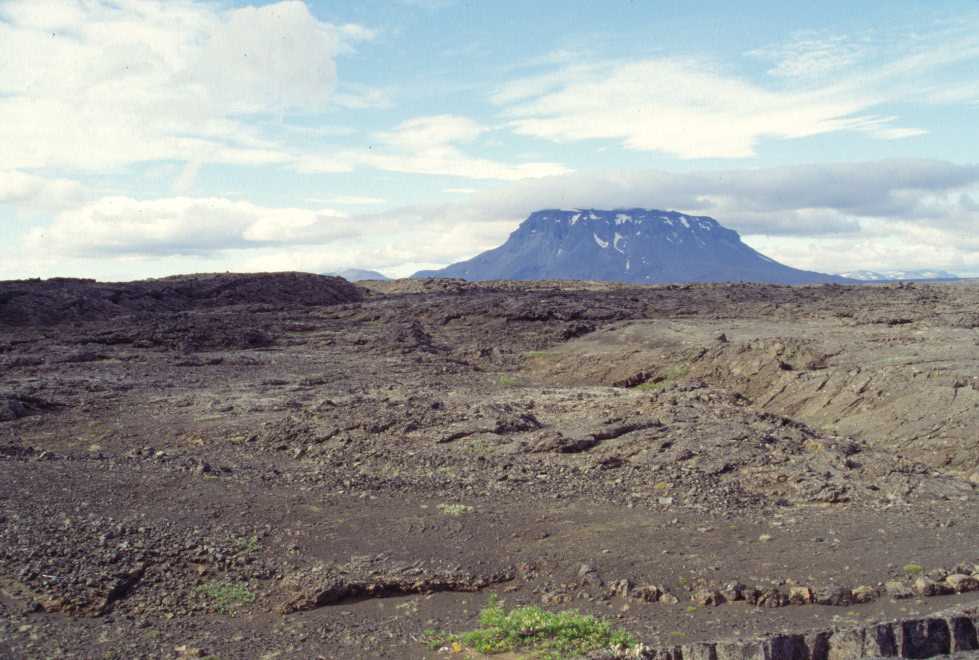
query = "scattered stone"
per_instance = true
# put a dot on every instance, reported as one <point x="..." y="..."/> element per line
<point x="708" y="597"/>
<point x="620" y="588"/>
<point x="733" y="591"/>
<point x="864" y="594"/>
<point x="648" y="593"/>
<point x="898" y="590"/>
<point x="925" y="586"/>
<point x="799" y="595"/>
<point x="962" y="583"/>
<point x="588" y="575"/>
<point x="771" y="598"/>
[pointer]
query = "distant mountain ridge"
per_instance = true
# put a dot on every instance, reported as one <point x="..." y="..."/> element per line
<point x="894" y="275"/>
<point x="358" y="274"/>
<point x="644" y="246"/>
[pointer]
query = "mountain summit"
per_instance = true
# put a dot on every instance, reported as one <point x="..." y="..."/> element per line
<point x="626" y="245"/>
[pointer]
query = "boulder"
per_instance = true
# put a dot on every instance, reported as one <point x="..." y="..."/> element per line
<point x="962" y="583"/>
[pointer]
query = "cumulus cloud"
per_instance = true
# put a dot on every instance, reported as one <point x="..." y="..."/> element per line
<point x="889" y="189"/>
<point x="402" y="248"/>
<point x="832" y="218"/>
<point x="106" y="83"/>
<point x="111" y="83"/>
<point x="122" y="226"/>
<point x="21" y="188"/>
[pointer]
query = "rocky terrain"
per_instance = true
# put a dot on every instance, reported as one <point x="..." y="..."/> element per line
<point x="292" y="466"/>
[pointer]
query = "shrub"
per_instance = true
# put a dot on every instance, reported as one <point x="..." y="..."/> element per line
<point x="227" y="596"/>
<point x="537" y="632"/>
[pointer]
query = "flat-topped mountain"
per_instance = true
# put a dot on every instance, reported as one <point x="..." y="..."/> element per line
<point x="626" y="245"/>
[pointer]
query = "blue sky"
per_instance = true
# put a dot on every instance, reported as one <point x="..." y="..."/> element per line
<point x="143" y="138"/>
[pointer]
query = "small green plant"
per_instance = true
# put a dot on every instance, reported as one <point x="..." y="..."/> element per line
<point x="227" y="596"/>
<point x="455" y="509"/>
<point x="246" y="545"/>
<point x="669" y="375"/>
<point x="913" y="569"/>
<point x="536" y="632"/>
<point x="507" y="380"/>
<point x="651" y="385"/>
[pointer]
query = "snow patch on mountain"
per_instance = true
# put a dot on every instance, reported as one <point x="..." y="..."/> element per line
<point x="616" y="240"/>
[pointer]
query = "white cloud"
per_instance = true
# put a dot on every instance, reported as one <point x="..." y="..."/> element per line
<point x="881" y="246"/>
<point x="120" y="237"/>
<point x="810" y="55"/>
<point x="837" y="217"/>
<point x="118" y="226"/>
<point x="449" y="161"/>
<point x="886" y="189"/>
<point x="347" y="200"/>
<point x="689" y="108"/>
<point x="184" y="182"/>
<point x="109" y="83"/>
<point x="20" y="188"/>
<point x="428" y="145"/>
<point x="696" y="108"/>
<point x="358" y="97"/>
<point x="432" y="132"/>
<point x="100" y="84"/>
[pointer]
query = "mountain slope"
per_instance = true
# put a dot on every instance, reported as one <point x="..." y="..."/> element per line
<point x="358" y="274"/>
<point x="629" y="245"/>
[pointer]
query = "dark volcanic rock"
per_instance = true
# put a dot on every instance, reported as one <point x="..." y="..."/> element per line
<point x="371" y="578"/>
<point x="59" y="300"/>
<point x="628" y="245"/>
<point x="14" y="406"/>
<point x="401" y="460"/>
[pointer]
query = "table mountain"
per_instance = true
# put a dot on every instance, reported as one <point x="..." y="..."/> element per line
<point x="626" y="245"/>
